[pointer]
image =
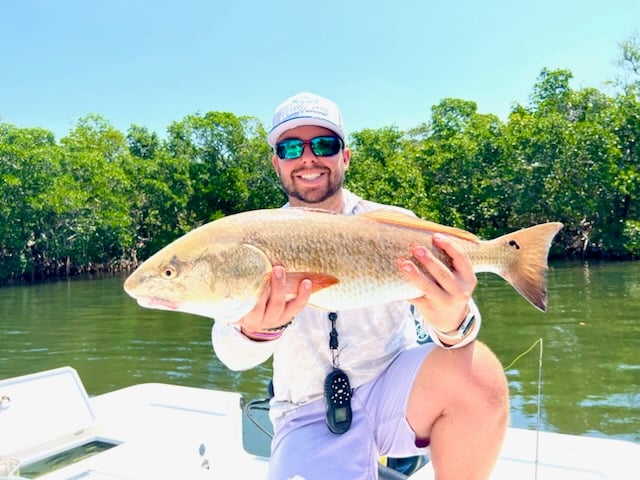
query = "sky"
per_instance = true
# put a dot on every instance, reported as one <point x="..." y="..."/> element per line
<point x="386" y="63"/>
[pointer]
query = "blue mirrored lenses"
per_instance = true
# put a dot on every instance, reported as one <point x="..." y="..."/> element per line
<point x="322" y="146"/>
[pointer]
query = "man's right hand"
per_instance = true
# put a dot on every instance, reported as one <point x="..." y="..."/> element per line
<point x="273" y="308"/>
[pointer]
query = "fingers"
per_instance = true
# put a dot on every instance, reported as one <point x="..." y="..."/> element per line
<point x="252" y="321"/>
<point x="446" y="289"/>
<point x="273" y="308"/>
<point x="428" y="283"/>
<point x="277" y="298"/>
<point x="461" y="264"/>
<point x="449" y="275"/>
<point x="295" y="305"/>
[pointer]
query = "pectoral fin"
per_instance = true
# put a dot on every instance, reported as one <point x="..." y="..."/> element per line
<point x="319" y="281"/>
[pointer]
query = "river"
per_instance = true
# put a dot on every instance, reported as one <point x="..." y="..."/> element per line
<point x="590" y="336"/>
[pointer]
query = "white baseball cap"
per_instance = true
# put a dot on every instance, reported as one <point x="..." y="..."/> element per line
<point x="305" y="109"/>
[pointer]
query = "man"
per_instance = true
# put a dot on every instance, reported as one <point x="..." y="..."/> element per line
<point x="450" y="396"/>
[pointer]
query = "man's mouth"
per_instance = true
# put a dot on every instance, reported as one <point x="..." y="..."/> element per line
<point x="310" y="176"/>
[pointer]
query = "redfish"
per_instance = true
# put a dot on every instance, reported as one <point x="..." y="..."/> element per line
<point x="218" y="270"/>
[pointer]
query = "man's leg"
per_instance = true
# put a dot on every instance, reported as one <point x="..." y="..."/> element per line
<point x="460" y="402"/>
<point x="305" y="449"/>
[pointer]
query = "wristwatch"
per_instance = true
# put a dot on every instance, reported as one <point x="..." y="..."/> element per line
<point x="462" y="331"/>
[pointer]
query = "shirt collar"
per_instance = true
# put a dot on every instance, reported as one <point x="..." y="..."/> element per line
<point x="351" y="200"/>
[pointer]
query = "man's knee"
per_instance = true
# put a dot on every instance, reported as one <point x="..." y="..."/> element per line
<point x="487" y="378"/>
<point x="473" y="373"/>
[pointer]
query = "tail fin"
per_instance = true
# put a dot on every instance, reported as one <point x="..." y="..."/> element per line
<point x="527" y="272"/>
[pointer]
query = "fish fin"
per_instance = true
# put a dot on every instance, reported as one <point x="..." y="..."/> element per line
<point x="527" y="273"/>
<point x="393" y="217"/>
<point x="319" y="281"/>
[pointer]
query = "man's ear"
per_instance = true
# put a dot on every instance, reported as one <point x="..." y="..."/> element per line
<point x="346" y="158"/>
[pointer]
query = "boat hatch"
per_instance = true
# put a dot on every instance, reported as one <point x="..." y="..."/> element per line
<point x="47" y="421"/>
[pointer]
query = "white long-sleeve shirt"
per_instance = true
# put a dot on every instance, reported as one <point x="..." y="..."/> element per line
<point x="369" y="339"/>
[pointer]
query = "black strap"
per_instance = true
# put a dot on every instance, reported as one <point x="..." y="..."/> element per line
<point x="333" y="338"/>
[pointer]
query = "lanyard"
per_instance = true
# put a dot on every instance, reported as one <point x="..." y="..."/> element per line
<point x="333" y="339"/>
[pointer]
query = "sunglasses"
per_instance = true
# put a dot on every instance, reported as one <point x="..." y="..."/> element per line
<point x="322" y="146"/>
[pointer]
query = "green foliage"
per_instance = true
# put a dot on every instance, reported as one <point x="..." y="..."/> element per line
<point x="457" y="155"/>
<point x="380" y="170"/>
<point x="160" y="189"/>
<point x="28" y="161"/>
<point x="632" y="237"/>
<point x="97" y="215"/>
<point x="102" y="199"/>
<point x="228" y="161"/>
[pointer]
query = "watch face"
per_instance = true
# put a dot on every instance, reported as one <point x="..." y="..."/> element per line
<point x="466" y="325"/>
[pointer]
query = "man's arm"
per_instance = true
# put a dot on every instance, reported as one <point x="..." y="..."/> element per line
<point x="252" y="339"/>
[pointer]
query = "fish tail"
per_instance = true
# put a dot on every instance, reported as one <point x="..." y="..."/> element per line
<point x="527" y="270"/>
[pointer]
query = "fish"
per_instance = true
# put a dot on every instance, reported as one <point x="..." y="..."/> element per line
<point x="219" y="270"/>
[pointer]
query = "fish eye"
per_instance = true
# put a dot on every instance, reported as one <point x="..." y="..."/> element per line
<point x="169" y="272"/>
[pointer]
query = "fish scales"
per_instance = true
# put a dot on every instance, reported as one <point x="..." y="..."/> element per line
<point x="362" y="257"/>
<point x="220" y="268"/>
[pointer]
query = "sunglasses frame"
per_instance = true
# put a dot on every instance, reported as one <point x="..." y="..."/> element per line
<point x="309" y="142"/>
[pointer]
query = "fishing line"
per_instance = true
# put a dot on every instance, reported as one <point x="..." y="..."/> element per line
<point x="524" y="353"/>
<point x="538" y="413"/>
<point x="539" y="399"/>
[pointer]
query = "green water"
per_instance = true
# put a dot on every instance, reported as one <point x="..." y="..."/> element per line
<point x="590" y="363"/>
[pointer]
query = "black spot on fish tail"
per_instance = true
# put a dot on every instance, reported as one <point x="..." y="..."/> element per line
<point x="527" y="270"/>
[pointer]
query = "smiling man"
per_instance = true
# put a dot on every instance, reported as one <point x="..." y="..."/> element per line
<point x="309" y="129"/>
<point x="353" y="385"/>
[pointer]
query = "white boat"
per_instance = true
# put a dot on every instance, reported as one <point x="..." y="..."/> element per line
<point x="50" y="426"/>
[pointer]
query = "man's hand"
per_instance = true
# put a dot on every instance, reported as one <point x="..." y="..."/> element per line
<point x="273" y="309"/>
<point x="445" y="302"/>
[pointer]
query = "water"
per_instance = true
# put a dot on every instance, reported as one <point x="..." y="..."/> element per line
<point x="590" y="368"/>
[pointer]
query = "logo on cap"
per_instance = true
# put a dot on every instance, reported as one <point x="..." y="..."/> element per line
<point x="305" y="109"/>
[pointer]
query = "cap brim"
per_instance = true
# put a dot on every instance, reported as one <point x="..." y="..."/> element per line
<point x="277" y="131"/>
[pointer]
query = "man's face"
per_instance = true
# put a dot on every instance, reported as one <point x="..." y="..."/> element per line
<point x="311" y="180"/>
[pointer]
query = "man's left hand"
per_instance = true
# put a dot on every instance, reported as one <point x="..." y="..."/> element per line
<point x="447" y="291"/>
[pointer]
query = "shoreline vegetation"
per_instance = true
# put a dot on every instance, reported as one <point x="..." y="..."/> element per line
<point x="100" y="200"/>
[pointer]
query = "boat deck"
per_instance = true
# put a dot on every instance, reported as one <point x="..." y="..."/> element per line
<point x="168" y="431"/>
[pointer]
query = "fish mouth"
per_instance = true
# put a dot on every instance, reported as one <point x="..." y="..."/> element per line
<point x="157" y="303"/>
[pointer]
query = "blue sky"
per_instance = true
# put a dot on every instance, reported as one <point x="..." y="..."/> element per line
<point x="151" y="63"/>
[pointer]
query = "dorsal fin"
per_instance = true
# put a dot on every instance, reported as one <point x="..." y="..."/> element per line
<point x="393" y="217"/>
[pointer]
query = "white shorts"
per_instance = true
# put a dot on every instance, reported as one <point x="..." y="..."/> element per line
<point x="303" y="448"/>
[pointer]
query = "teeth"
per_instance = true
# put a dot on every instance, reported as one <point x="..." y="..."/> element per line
<point x="310" y="176"/>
